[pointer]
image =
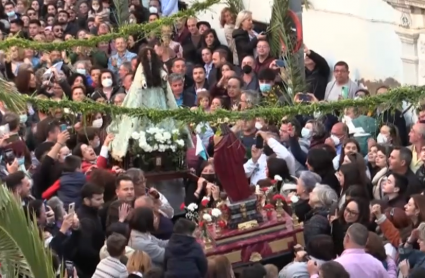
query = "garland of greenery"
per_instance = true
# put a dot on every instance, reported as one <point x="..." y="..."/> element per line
<point x="393" y="98"/>
<point x="123" y="31"/>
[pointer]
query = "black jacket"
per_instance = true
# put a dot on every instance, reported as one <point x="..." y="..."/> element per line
<point x="184" y="257"/>
<point x="91" y="240"/>
<point x="317" y="79"/>
<point x="316" y="224"/>
<point x="244" y="45"/>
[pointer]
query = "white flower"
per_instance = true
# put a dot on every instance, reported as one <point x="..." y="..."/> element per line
<point x="294" y="199"/>
<point x="159" y="137"/>
<point x="167" y="135"/>
<point x="155" y="147"/>
<point x="277" y="178"/>
<point x="173" y="148"/>
<point x="192" y="207"/>
<point x="148" y="149"/>
<point x="135" y="135"/>
<point x="216" y="212"/>
<point x="175" y="131"/>
<point x="207" y="217"/>
<point x="180" y="142"/>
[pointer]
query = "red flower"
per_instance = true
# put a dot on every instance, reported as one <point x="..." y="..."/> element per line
<point x="205" y="202"/>
<point x="268" y="206"/>
<point x="264" y="189"/>
<point x="269" y="213"/>
<point x="182" y="206"/>
<point x="221" y="224"/>
<point x="278" y="197"/>
<point x="273" y="181"/>
<point x="201" y="224"/>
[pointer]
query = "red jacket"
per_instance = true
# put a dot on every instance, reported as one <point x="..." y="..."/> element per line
<point x="100" y="163"/>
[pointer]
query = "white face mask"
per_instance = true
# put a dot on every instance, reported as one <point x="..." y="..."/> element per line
<point x="258" y="125"/>
<point x="107" y="82"/>
<point x="153" y="10"/>
<point x="97" y="123"/>
<point x="81" y="71"/>
<point x="336" y="140"/>
<point x="305" y="133"/>
<point x="381" y="139"/>
<point x="96" y="144"/>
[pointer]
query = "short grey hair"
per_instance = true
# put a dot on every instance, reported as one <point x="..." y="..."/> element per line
<point x="309" y="180"/>
<point x="126" y="65"/>
<point x="319" y="129"/>
<point x="358" y="234"/>
<point x="135" y="175"/>
<point x="325" y="196"/>
<point x="174" y="77"/>
<point x="252" y="97"/>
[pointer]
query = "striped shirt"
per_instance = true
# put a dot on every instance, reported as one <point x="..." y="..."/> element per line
<point x="110" y="268"/>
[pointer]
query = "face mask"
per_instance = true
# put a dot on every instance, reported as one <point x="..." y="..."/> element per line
<point x="264" y="88"/>
<point x="10" y="14"/>
<point x="267" y="150"/>
<point x="247" y="69"/>
<point x="23" y="118"/>
<point x="258" y="125"/>
<point x="56" y="61"/>
<point x="97" y="123"/>
<point x="209" y="177"/>
<point x="336" y="140"/>
<point x="381" y="139"/>
<point x="81" y="71"/>
<point x="305" y="133"/>
<point x="21" y="161"/>
<point x="153" y="10"/>
<point x="107" y="82"/>
<point x="95" y="8"/>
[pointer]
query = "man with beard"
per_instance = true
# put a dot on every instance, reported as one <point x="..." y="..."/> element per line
<point x="68" y="28"/>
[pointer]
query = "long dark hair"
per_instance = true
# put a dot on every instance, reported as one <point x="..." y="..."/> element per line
<point x="152" y="68"/>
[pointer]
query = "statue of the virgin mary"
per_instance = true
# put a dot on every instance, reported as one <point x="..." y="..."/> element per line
<point x="150" y="89"/>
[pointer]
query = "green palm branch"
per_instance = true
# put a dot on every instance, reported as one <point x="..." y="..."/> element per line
<point x="22" y="251"/>
<point x="121" y="12"/>
<point x="280" y="30"/>
<point x="10" y="97"/>
<point x="235" y="6"/>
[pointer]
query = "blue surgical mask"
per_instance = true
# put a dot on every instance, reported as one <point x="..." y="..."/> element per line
<point x="23" y="118"/>
<point x="21" y="160"/>
<point x="81" y="71"/>
<point x="305" y="133"/>
<point x="264" y="88"/>
<point x="11" y="14"/>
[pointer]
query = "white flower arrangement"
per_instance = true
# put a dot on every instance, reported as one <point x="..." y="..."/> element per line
<point x="207" y="217"/>
<point x="192" y="207"/>
<point x="278" y="178"/>
<point x="158" y="139"/>
<point x="216" y="213"/>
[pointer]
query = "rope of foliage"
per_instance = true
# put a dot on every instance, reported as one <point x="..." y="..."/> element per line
<point x="392" y="99"/>
<point x="124" y="31"/>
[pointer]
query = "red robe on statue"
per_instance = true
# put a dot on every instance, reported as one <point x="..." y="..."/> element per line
<point x="229" y="158"/>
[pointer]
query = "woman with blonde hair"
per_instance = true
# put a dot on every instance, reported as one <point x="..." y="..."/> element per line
<point x="227" y="22"/>
<point x="245" y="37"/>
<point x="219" y="267"/>
<point x="138" y="264"/>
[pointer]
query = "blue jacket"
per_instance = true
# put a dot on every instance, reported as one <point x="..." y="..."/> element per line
<point x="70" y="188"/>
<point x="184" y="257"/>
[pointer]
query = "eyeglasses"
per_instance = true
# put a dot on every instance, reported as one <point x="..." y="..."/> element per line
<point x="351" y="212"/>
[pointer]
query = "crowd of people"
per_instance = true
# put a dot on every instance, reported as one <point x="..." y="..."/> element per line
<point x="356" y="177"/>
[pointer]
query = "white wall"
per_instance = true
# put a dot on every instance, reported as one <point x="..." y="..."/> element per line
<point x="360" y="32"/>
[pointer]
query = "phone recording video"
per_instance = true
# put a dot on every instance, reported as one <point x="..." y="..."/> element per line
<point x="304" y="97"/>
<point x="281" y="63"/>
<point x="63" y="127"/>
<point x="69" y="268"/>
<point x="259" y="142"/>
